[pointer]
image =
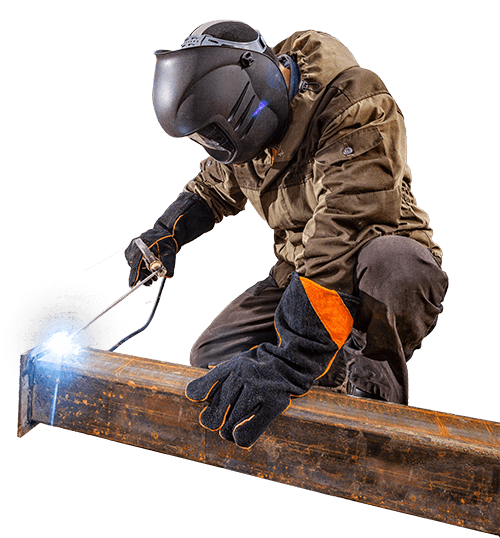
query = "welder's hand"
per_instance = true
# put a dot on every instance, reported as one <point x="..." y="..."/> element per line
<point x="248" y="392"/>
<point x="183" y="221"/>
<point x="162" y="244"/>
<point x="244" y="397"/>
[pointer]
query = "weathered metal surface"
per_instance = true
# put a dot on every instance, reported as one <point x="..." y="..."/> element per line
<point x="434" y="465"/>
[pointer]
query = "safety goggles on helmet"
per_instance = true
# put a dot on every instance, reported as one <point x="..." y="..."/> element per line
<point x="201" y="37"/>
<point x="258" y="45"/>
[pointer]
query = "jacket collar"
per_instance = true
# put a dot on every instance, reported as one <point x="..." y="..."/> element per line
<point x="320" y="58"/>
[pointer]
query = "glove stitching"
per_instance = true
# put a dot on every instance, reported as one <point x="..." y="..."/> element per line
<point x="204" y="399"/>
<point x="223" y="420"/>
<point x="155" y="244"/>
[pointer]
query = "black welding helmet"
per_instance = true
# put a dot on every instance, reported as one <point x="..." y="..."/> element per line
<point x="224" y="90"/>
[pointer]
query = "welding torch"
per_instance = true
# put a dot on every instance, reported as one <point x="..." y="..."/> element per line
<point x="152" y="263"/>
<point x="157" y="270"/>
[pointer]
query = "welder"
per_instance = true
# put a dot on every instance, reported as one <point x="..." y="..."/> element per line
<point x="317" y="145"/>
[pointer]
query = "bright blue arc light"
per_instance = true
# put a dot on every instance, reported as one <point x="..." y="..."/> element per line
<point x="260" y="108"/>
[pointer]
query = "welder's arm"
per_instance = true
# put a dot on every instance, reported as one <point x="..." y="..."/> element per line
<point x="186" y="219"/>
<point x="217" y="184"/>
<point x="247" y="393"/>
<point x="359" y="171"/>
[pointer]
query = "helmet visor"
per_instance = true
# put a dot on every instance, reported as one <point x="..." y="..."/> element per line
<point x="216" y="142"/>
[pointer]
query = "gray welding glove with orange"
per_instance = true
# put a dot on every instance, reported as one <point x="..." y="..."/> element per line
<point x="248" y="392"/>
<point x="185" y="220"/>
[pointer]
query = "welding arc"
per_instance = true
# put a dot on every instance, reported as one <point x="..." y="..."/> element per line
<point x="147" y="323"/>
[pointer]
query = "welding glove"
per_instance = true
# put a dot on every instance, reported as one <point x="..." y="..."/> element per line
<point x="248" y="392"/>
<point x="186" y="219"/>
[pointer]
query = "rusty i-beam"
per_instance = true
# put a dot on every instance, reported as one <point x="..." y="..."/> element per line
<point x="429" y="464"/>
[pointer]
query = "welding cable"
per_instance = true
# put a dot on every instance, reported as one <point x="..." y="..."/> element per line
<point x="147" y="323"/>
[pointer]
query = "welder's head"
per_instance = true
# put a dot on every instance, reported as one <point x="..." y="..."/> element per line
<point x="223" y="88"/>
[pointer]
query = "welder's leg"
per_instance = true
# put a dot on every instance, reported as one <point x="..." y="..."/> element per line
<point x="401" y="288"/>
<point x="246" y="322"/>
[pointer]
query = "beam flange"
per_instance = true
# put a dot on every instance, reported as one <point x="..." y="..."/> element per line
<point x="425" y="463"/>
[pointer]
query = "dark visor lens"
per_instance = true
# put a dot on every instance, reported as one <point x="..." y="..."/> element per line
<point x="213" y="137"/>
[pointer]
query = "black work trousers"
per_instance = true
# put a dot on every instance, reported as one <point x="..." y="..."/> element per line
<point x="401" y="287"/>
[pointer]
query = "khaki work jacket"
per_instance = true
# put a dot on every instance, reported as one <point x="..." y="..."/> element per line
<point x="338" y="178"/>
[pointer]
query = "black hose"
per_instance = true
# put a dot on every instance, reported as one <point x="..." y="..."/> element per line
<point x="147" y="323"/>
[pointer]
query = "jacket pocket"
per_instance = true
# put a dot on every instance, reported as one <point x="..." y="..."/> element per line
<point x="349" y="146"/>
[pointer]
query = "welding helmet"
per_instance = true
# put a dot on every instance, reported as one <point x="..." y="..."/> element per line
<point x="223" y="88"/>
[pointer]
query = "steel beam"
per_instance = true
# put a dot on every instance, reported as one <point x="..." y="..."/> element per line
<point x="429" y="464"/>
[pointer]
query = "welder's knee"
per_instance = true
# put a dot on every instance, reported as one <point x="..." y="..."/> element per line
<point x="399" y="272"/>
<point x="246" y="322"/>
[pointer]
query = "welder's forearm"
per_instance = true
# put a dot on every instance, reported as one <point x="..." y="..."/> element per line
<point x="217" y="185"/>
<point x="187" y="218"/>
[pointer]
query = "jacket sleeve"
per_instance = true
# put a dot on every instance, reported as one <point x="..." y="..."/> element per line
<point x="217" y="185"/>
<point x="358" y="170"/>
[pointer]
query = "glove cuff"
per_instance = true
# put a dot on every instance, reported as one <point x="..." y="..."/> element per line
<point x="186" y="219"/>
<point x="312" y="323"/>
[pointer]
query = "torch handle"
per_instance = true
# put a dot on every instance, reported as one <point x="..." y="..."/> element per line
<point x="152" y="262"/>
